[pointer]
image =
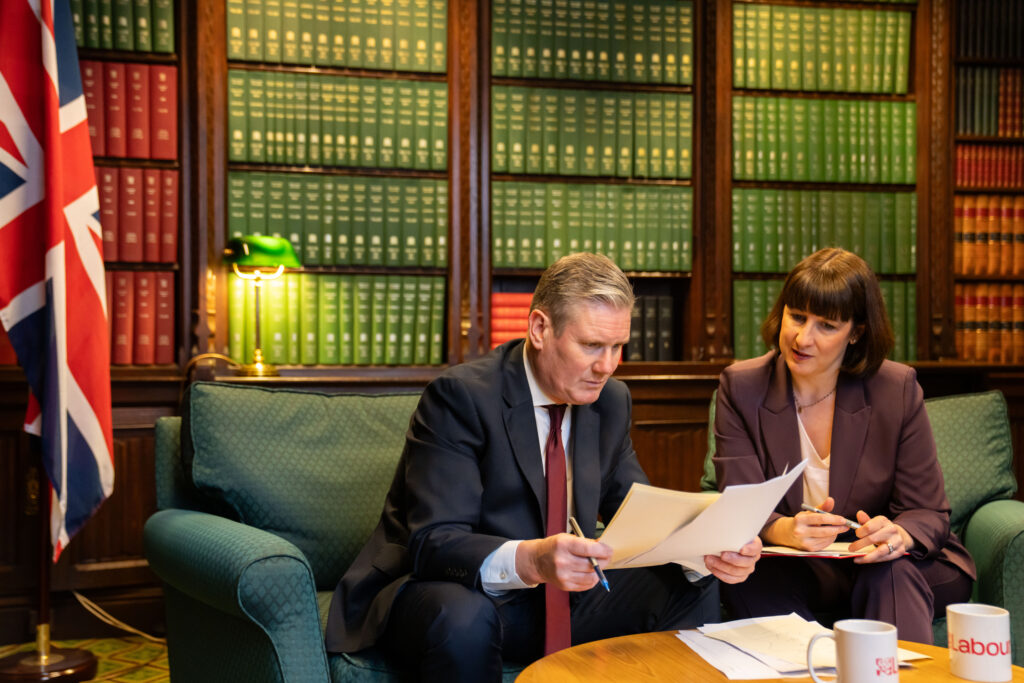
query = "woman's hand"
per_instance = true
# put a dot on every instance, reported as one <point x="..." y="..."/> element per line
<point x="807" y="530"/>
<point x="889" y="539"/>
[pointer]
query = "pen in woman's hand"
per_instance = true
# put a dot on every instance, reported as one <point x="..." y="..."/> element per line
<point x="600" y="574"/>
<point x="848" y="522"/>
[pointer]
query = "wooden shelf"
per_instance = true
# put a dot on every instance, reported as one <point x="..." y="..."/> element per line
<point x="306" y="169"/>
<point x="384" y="75"/>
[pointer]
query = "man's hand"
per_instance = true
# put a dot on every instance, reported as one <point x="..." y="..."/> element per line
<point x="561" y="560"/>
<point x="732" y="567"/>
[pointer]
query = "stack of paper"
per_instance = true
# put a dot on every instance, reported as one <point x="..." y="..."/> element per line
<point x="767" y="647"/>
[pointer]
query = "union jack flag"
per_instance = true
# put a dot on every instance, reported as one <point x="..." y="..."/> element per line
<point x="52" y="284"/>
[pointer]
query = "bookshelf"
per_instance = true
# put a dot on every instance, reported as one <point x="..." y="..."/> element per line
<point x="988" y="176"/>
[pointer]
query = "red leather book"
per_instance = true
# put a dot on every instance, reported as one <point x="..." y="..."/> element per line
<point x="518" y="325"/>
<point x="144" y="346"/>
<point x="502" y="337"/>
<point x="138" y="111"/>
<point x="511" y="298"/>
<point x="130" y="220"/>
<point x="116" y="114"/>
<point x="163" y="93"/>
<point x="7" y="355"/>
<point x="151" y="215"/>
<point x="164" y="353"/>
<point x="168" y="216"/>
<point x="510" y="312"/>
<point x="92" y="85"/>
<point x="109" y="276"/>
<point x="107" y="186"/>
<point x="124" y="317"/>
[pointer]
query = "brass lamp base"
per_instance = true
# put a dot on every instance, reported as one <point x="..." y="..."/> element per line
<point x="257" y="368"/>
<point x="61" y="664"/>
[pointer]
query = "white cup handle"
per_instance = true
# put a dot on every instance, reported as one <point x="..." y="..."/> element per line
<point x="810" y="646"/>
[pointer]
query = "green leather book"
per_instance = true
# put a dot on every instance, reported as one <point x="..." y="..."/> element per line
<point x="770" y="230"/>
<point x="588" y="238"/>
<point x="393" y="213"/>
<point x="759" y="305"/>
<point x="909" y="141"/>
<point x="884" y="141"/>
<point x="878" y="53"/>
<point x="888" y="56"/>
<point x="405" y="125"/>
<point x="274" y="336"/>
<point x="339" y="33"/>
<point x="286" y="98"/>
<point x="327" y="123"/>
<point x="123" y="12"/>
<point x="655" y="43"/>
<point x="647" y="212"/>
<point x="816" y="141"/>
<point x="371" y="34"/>
<point x="739" y="28"/>
<point x="411" y="228"/>
<point x="257" y="204"/>
<point x="403" y="35"/>
<point x="738" y="152"/>
<point x="741" y="319"/>
<point x="826" y="218"/>
<point x="655" y="133"/>
<point x="641" y="135"/>
<point x="429" y="225"/>
<point x="777" y="58"/>
<point x="386" y="34"/>
<point x="500" y="228"/>
<point x="595" y="212"/>
<point x="78" y="20"/>
<point x="686" y="43"/>
<point x="556" y="237"/>
<point x="300" y="106"/>
<point x="627" y="228"/>
<point x="638" y="49"/>
<point x="840" y="28"/>
<point x="763" y="43"/>
<point x="737" y="207"/>
<point x="809" y="48"/>
<point x="295" y="215"/>
<point x="346" y="318"/>
<point x="569" y="132"/>
<point x="352" y="87"/>
<point x="888" y="243"/>
<point x="514" y="11"/>
<point x="842" y="142"/>
<point x="163" y="26"/>
<point x="356" y="33"/>
<point x="342" y="221"/>
<point x="234" y="12"/>
<point x="321" y="35"/>
<point x="887" y="287"/>
<point x="421" y="339"/>
<point x="327" y="214"/>
<point x="867" y="51"/>
<point x="360" y="203"/>
<point x="574" y="218"/>
<point x="841" y="223"/>
<point x="761" y="138"/>
<point x="375" y="235"/>
<point x="858" y="201"/>
<point x="527" y="204"/>
<point x="293" y="304"/>
<point x="499" y="38"/>
<point x="387" y="122"/>
<point x="441" y="197"/>
<point x="794" y="49"/>
<point x="277" y="205"/>
<point x="873" y="235"/>
<point x="369" y="122"/>
<point x="438" y="36"/>
<point x="911" y="334"/>
<point x="238" y="116"/>
<point x="550" y="144"/>
<point x="830" y="148"/>
<point x="407" y="327"/>
<point x="393" y="319"/>
<point x="620" y="40"/>
<point x="499" y="128"/>
<point x="602" y="40"/>
<point x="437" y="321"/>
<point x="799" y="139"/>
<point x="590" y="132"/>
<point x="307" y="30"/>
<point x="257" y="117"/>
<point x="327" y="312"/>
<point x="670" y="132"/>
<point x="682" y="206"/>
<point x="753" y="232"/>
<point x="516" y="129"/>
<point x="362" y="319"/>
<point x="309" y="321"/>
<point x="897" y="146"/>
<point x="750" y="46"/>
<point x="901" y="65"/>
<point x="803" y="242"/>
<point x="545" y="38"/>
<point x="439" y="127"/>
<point x="534" y="130"/>
<point x="852" y="25"/>
<point x="864" y="138"/>
<point x="749" y="136"/>
<point x="421" y="35"/>
<point x="900" y="324"/>
<point x="826" y="75"/>
<point x="505" y="203"/>
<point x="378" y="318"/>
<point x="575" y="44"/>
<point x="612" y="223"/>
<point x="790" y="239"/>
<point x="238" y="204"/>
<point x="904" y="236"/>
<point x="634" y="350"/>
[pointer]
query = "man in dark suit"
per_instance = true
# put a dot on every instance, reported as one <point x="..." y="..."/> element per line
<point x="471" y="562"/>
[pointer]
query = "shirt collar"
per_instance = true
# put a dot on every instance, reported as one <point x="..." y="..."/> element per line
<point x="539" y="397"/>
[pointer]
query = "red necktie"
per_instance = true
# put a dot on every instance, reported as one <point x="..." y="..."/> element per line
<point x="557" y="633"/>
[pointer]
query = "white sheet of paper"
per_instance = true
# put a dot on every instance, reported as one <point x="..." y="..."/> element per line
<point x="655" y="526"/>
<point x="735" y="664"/>
<point x="833" y="550"/>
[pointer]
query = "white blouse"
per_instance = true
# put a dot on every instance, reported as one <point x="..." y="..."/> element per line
<point x="816" y="473"/>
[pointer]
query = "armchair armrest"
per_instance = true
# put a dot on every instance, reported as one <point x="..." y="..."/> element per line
<point x="247" y="573"/>
<point x="994" y="535"/>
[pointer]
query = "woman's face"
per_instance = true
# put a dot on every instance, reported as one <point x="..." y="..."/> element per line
<point x="811" y="345"/>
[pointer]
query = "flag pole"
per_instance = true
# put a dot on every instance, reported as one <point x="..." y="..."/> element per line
<point x="46" y="663"/>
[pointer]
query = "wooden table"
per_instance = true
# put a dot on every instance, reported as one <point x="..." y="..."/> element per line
<point x="663" y="657"/>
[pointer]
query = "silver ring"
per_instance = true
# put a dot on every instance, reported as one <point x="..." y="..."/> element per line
<point x="891" y="549"/>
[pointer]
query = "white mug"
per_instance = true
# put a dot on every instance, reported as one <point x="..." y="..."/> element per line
<point x="979" y="642"/>
<point x="865" y="652"/>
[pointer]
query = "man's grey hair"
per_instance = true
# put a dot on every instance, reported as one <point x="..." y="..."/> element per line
<point x="580" y="278"/>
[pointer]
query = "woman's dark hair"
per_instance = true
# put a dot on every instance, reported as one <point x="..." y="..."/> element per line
<point x="837" y="284"/>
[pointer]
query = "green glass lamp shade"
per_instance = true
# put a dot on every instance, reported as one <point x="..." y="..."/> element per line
<point x="260" y="251"/>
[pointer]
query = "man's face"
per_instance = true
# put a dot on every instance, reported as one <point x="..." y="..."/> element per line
<point x="573" y="367"/>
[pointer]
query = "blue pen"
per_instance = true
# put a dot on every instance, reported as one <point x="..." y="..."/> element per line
<point x="600" y="574"/>
<point x="848" y="522"/>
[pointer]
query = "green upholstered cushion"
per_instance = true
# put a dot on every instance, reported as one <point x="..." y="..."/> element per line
<point x="972" y="437"/>
<point x="313" y="468"/>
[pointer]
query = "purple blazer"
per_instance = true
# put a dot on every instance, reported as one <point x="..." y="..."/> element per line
<point x="883" y="455"/>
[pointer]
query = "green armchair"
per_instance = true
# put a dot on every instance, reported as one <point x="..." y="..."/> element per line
<point x="972" y="438"/>
<point x="265" y="496"/>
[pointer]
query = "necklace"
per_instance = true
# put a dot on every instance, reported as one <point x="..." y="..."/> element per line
<point x="800" y="408"/>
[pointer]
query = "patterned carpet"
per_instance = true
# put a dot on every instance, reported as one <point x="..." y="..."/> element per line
<point x="121" y="660"/>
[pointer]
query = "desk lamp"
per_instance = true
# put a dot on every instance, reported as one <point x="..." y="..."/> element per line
<point x="259" y="258"/>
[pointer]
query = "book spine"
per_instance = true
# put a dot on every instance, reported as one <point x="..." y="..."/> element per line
<point x="123" y="311"/>
<point x="116" y="108"/>
<point x="108" y="184"/>
<point x="130" y="220"/>
<point x="163" y="83"/>
<point x="151" y="215"/>
<point x="144" y="325"/>
<point x="309" y="336"/>
<point x="95" y="105"/>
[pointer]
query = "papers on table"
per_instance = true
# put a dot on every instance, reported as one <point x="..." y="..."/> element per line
<point x="835" y="550"/>
<point x="767" y="647"/>
<point x="655" y="526"/>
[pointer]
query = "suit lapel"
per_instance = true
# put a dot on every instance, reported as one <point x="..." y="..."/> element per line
<point x="849" y="432"/>
<point x="779" y="431"/>
<point x="521" y="426"/>
<point x="586" y="470"/>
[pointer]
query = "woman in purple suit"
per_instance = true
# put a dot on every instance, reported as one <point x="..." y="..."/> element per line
<point x="825" y="394"/>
